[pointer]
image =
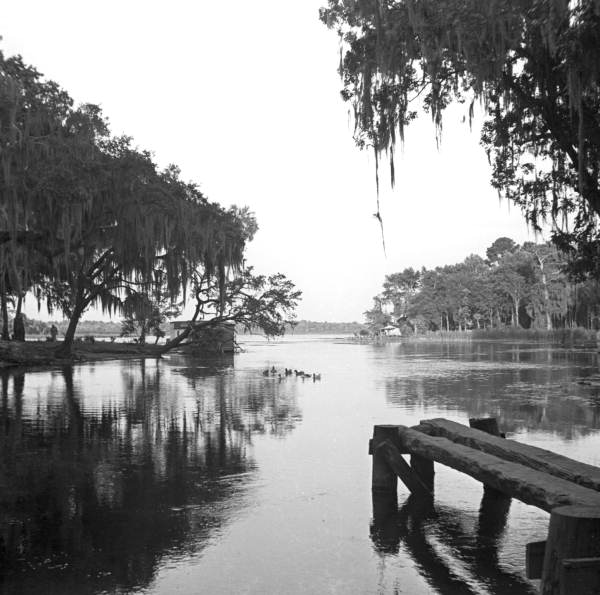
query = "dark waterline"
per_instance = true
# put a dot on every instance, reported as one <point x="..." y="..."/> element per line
<point x="207" y="477"/>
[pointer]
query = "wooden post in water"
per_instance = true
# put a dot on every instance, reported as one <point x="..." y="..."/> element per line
<point x="388" y="464"/>
<point x="423" y="467"/>
<point x="489" y="425"/>
<point x="572" y="553"/>
<point x="384" y="480"/>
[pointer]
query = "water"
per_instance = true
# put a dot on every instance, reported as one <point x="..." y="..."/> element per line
<point x="182" y="476"/>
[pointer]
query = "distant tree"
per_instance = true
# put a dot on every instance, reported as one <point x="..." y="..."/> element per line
<point x="474" y="274"/>
<point x="527" y="286"/>
<point x="376" y="318"/>
<point x="425" y="310"/>
<point x="514" y="277"/>
<point x="547" y="261"/>
<point x="499" y="248"/>
<point x="432" y="301"/>
<point x="399" y="288"/>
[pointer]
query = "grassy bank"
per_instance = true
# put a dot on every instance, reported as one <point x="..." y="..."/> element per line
<point x="566" y="337"/>
<point x="42" y="353"/>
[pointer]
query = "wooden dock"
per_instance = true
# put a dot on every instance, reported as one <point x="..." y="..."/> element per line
<point x="569" y="560"/>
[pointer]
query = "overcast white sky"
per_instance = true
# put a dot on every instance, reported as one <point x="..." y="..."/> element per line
<point x="244" y="97"/>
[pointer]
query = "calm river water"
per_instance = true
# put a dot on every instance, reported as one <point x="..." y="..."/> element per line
<point x="183" y="476"/>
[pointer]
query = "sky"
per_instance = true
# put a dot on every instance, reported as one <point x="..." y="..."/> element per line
<point x="244" y="98"/>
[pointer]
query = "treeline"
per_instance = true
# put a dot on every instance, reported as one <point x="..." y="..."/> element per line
<point x="96" y="328"/>
<point x="518" y="286"/>
<point x="306" y="327"/>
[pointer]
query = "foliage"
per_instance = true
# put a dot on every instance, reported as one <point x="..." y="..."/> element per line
<point x="499" y="248"/>
<point x="526" y="287"/>
<point x="398" y="288"/>
<point x="147" y="314"/>
<point x="535" y="68"/>
<point x="250" y="301"/>
<point x="376" y="318"/>
<point x="86" y="218"/>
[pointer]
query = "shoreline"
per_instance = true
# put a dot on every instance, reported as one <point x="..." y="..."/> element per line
<point x="40" y="354"/>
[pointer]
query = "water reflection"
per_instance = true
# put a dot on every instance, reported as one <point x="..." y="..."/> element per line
<point x="529" y="389"/>
<point x="182" y="476"/>
<point x="450" y="555"/>
<point x="526" y="387"/>
<point x="106" y="470"/>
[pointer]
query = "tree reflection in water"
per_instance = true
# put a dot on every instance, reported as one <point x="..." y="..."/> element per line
<point x="96" y="490"/>
<point x="527" y="387"/>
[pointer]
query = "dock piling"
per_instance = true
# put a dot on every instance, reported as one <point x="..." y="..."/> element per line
<point x="572" y="552"/>
<point x="383" y="480"/>
<point x="568" y="561"/>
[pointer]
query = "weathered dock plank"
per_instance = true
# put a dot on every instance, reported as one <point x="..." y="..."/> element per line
<point x="510" y="450"/>
<point x="529" y="485"/>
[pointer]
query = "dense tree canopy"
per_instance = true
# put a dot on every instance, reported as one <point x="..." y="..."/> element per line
<point x="88" y="219"/>
<point x="525" y="287"/>
<point x="535" y="67"/>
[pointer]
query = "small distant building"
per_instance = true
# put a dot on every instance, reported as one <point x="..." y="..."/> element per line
<point x="391" y="331"/>
<point x="218" y="338"/>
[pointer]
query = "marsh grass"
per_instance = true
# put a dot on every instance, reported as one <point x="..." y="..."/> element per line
<point x="567" y="337"/>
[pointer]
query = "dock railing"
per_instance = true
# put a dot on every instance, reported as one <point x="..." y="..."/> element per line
<point x="568" y="561"/>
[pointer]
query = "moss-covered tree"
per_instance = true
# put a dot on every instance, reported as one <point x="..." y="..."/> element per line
<point x="534" y="66"/>
<point x="85" y="216"/>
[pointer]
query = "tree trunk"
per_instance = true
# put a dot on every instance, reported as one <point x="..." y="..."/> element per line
<point x="65" y="348"/>
<point x="5" y="333"/>
<point x="186" y="333"/>
<point x="546" y="294"/>
<point x="80" y="306"/>
<point x="515" y="312"/>
<point x="18" y="324"/>
<point x="177" y="340"/>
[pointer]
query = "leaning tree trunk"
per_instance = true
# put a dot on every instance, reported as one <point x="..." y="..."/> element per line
<point x="81" y="304"/>
<point x="66" y="346"/>
<point x="185" y="334"/>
